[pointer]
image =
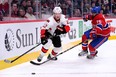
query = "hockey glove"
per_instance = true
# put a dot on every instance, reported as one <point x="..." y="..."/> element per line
<point x="44" y="41"/>
<point x="85" y="18"/>
<point x="44" y="36"/>
<point x="62" y="30"/>
<point x="93" y="34"/>
<point x="58" y="30"/>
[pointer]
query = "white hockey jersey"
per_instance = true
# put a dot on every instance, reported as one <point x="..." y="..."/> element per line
<point x="51" y="24"/>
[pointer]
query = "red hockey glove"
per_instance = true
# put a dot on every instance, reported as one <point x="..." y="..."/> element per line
<point x="85" y="18"/>
<point x="66" y="28"/>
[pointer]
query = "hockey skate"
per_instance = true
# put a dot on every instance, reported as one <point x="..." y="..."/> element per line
<point x="51" y="58"/>
<point x="92" y="56"/>
<point x="39" y="58"/>
<point x="83" y="53"/>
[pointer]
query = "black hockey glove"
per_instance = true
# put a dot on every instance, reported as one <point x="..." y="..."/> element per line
<point x="61" y="30"/>
<point x="44" y="41"/>
<point x="45" y="35"/>
<point x="57" y="32"/>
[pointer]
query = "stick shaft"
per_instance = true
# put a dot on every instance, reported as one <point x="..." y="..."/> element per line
<point x="69" y="49"/>
<point x="56" y="55"/>
<point x="25" y="53"/>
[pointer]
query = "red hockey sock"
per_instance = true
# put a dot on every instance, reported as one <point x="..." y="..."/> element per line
<point x="44" y="50"/>
<point x="53" y="53"/>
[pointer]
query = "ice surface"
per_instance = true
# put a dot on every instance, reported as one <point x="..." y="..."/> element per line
<point x="70" y="65"/>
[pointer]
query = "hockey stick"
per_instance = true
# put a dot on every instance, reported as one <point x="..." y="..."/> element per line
<point x="32" y="62"/>
<point x="11" y="61"/>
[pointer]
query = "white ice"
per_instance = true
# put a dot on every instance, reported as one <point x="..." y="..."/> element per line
<point x="70" y="65"/>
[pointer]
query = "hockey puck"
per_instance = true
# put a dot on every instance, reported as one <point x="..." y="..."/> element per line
<point x="33" y="73"/>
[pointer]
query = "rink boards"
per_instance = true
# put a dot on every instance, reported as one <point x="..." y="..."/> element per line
<point x="18" y="37"/>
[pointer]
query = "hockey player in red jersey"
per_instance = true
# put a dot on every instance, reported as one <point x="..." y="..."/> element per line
<point x="99" y="33"/>
<point x="56" y="25"/>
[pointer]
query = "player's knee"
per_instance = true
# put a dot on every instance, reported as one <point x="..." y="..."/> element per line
<point x="48" y="44"/>
<point x="84" y="37"/>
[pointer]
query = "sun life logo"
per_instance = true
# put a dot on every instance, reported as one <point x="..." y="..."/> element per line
<point x="9" y="40"/>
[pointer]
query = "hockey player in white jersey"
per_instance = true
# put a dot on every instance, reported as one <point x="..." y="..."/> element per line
<point x="56" y="25"/>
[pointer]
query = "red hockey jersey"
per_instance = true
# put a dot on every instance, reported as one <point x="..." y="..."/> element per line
<point x="100" y="25"/>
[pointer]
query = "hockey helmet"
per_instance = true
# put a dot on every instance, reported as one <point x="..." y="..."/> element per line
<point x="96" y="9"/>
<point x="57" y="10"/>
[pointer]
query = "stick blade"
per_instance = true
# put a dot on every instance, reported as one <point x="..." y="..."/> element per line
<point x="34" y="63"/>
<point x="7" y="61"/>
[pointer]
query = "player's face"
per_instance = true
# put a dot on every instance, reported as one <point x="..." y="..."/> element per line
<point x="93" y="14"/>
<point x="57" y="16"/>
